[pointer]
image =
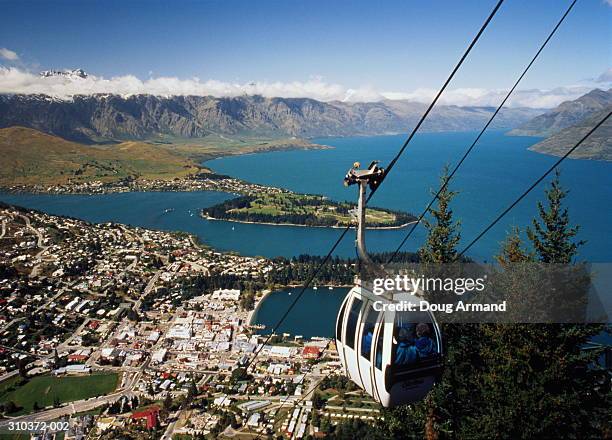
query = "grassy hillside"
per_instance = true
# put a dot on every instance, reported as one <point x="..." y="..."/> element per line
<point x="300" y="209"/>
<point x="32" y="157"/>
<point x="598" y="146"/>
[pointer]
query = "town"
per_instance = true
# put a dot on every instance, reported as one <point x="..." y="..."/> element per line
<point x="126" y="332"/>
<point x="203" y="181"/>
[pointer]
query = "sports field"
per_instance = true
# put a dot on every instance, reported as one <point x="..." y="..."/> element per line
<point x="45" y="390"/>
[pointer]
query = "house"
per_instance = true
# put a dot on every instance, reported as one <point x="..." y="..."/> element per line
<point x="150" y="415"/>
<point x="311" y="352"/>
<point x="77" y="358"/>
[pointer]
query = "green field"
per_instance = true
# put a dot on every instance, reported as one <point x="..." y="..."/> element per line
<point x="301" y="209"/>
<point x="46" y="389"/>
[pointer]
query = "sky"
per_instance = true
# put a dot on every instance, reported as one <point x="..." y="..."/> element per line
<point x="346" y="50"/>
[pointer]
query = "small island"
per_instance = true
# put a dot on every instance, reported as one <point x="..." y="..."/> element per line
<point x="287" y="208"/>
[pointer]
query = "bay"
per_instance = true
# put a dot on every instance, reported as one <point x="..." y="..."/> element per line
<point x="497" y="171"/>
<point x="314" y="316"/>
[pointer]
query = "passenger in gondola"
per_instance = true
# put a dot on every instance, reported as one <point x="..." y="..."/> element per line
<point x="406" y="352"/>
<point x="424" y="343"/>
<point x="366" y="344"/>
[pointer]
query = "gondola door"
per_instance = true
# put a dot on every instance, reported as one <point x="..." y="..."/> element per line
<point x="367" y="327"/>
<point x="378" y="359"/>
<point x="352" y="317"/>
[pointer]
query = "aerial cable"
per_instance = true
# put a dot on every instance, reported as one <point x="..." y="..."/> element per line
<point x="344" y="232"/>
<point x="469" y="150"/>
<point x="433" y="103"/>
<point x="534" y="184"/>
<point x="556" y="164"/>
<point x="391" y="164"/>
<point x="389" y="167"/>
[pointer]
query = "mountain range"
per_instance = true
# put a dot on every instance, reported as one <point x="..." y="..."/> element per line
<point x="598" y="146"/>
<point x="104" y="118"/>
<point x="567" y="123"/>
<point x="565" y="114"/>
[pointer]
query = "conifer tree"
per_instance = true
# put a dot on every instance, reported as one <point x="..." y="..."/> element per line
<point x="537" y="381"/>
<point x="443" y="232"/>
<point x="512" y="250"/>
<point x="438" y="416"/>
<point x="552" y="239"/>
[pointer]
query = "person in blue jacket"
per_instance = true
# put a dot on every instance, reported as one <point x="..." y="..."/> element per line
<point x="424" y="343"/>
<point x="405" y="352"/>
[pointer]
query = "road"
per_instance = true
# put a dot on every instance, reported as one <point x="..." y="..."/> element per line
<point x="39" y="244"/>
<point x="8" y="375"/>
<point x="171" y="426"/>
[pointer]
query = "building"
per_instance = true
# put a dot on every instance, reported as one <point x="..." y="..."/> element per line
<point x="253" y="405"/>
<point x="179" y="332"/>
<point x="253" y="421"/>
<point x="150" y="415"/>
<point x="311" y="352"/>
<point x="159" y="356"/>
<point x="226" y="294"/>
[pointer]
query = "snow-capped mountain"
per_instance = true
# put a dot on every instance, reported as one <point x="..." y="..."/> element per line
<point x="67" y="73"/>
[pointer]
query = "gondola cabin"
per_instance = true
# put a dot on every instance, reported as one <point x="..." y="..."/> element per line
<point x="395" y="357"/>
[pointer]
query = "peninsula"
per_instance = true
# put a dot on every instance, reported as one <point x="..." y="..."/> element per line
<point x="288" y="208"/>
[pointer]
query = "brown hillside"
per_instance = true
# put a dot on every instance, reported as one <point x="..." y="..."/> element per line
<point x="32" y="157"/>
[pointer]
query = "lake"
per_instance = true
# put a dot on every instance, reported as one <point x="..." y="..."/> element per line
<point x="498" y="170"/>
<point x="314" y="314"/>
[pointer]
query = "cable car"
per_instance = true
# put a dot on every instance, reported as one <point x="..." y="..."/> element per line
<point x="394" y="356"/>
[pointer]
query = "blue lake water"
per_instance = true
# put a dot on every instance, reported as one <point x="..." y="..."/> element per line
<point x="323" y="302"/>
<point x="498" y="170"/>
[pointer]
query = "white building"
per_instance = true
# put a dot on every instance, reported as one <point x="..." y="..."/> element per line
<point x="159" y="356"/>
<point x="226" y="294"/>
<point x="179" y="332"/>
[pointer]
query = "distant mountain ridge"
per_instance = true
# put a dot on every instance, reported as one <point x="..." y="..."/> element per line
<point x="565" y="115"/>
<point x="598" y="146"/>
<point x="100" y="118"/>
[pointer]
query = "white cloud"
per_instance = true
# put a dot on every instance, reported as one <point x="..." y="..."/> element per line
<point x="14" y="80"/>
<point x="606" y="76"/>
<point x="534" y="98"/>
<point x="8" y="54"/>
<point x="609" y="2"/>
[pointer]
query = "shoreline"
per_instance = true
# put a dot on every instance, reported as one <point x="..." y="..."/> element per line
<point x="268" y="292"/>
<point x="305" y="226"/>
<point x="163" y="184"/>
<point x="253" y="312"/>
<point x="207" y="157"/>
